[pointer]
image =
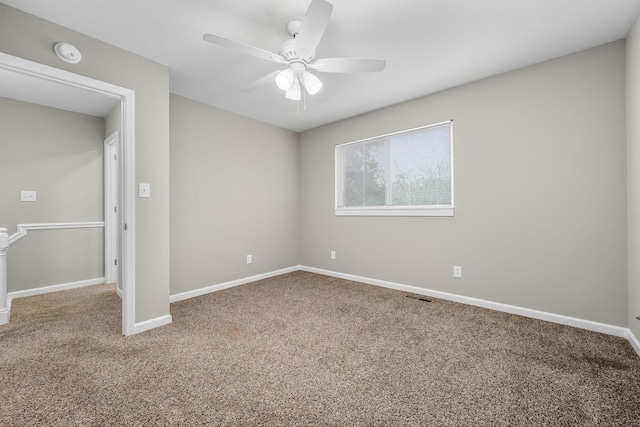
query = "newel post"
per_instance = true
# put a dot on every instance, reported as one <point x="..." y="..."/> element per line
<point x="4" y="246"/>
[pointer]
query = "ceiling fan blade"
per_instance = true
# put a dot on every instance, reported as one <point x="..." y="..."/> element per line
<point x="244" y="48"/>
<point x="262" y="82"/>
<point x="314" y="23"/>
<point x="348" y="65"/>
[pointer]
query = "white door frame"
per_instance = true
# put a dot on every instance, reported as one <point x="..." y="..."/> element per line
<point x="126" y="168"/>
<point x="111" y="210"/>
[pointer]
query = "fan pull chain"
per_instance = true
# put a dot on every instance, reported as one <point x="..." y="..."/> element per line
<point x="304" y="98"/>
<point x="301" y="89"/>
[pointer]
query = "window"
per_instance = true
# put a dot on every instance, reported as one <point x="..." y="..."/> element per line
<point x="407" y="173"/>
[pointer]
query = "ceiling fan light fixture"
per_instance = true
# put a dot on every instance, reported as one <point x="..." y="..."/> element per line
<point x="284" y="79"/>
<point x="298" y="54"/>
<point x="294" y="92"/>
<point x="312" y="83"/>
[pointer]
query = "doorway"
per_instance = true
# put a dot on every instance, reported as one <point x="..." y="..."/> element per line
<point x="37" y="79"/>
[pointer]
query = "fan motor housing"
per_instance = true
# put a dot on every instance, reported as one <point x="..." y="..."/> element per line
<point x="288" y="50"/>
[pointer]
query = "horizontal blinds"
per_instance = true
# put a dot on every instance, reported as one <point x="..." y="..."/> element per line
<point x="410" y="168"/>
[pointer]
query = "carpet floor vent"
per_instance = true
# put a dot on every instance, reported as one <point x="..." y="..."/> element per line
<point x="418" y="297"/>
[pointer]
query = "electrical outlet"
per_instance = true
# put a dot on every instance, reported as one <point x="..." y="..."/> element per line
<point x="457" y="271"/>
<point x="249" y="259"/>
<point x="333" y="254"/>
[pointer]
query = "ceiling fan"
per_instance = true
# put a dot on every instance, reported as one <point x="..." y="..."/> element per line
<point x="298" y="55"/>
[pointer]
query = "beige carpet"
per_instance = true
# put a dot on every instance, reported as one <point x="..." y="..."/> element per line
<point x="308" y="350"/>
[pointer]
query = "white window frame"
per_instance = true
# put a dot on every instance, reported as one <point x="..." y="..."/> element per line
<point x="445" y="210"/>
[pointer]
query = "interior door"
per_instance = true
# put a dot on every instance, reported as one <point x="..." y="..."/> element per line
<point x="111" y="210"/>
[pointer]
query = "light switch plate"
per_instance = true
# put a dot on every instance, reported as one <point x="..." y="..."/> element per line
<point x="28" y="196"/>
<point x="144" y="190"/>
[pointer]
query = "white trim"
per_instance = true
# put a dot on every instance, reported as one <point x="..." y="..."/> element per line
<point x="126" y="161"/>
<point x="4" y="303"/>
<point x="151" y="324"/>
<point x="214" y="288"/>
<point x="56" y="288"/>
<point x="23" y="229"/>
<point x="604" y="328"/>
<point x="127" y="215"/>
<point x="395" y="211"/>
<point x="45" y="72"/>
<point x="398" y="132"/>
<point x="633" y="341"/>
<point x="5" y="315"/>
<point x="110" y="196"/>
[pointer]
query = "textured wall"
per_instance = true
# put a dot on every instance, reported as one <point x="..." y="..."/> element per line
<point x="540" y="192"/>
<point x="234" y="186"/>
<point x="58" y="154"/>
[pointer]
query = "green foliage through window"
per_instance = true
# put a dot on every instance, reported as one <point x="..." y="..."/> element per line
<point x="411" y="168"/>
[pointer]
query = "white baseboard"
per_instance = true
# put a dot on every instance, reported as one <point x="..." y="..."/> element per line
<point x="152" y="323"/>
<point x="214" y="288"/>
<point x="4" y="316"/>
<point x="55" y="288"/>
<point x="119" y="291"/>
<point x="634" y="341"/>
<point x="527" y="312"/>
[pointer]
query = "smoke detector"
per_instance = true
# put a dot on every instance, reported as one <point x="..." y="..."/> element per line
<point x="67" y="52"/>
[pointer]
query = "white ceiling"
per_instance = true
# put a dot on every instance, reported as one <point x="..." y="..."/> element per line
<point x="429" y="45"/>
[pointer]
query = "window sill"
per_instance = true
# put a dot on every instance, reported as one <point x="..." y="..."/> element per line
<point x="395" y="211"/>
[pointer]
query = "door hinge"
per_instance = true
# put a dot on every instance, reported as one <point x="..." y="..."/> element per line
<point x="115" y="209"/>
<point x="125" y="227"/>
<point x="115" y="262"/>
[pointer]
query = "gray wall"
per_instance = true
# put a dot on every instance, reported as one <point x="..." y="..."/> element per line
<point x="58" y="154"/>
<point x="32" y="38"/>
<point x="633" y="174"/>
<point x="234" y="186"/>
<point x="540" y="185"/>
<point x="113" y="122"/>
<point x="540" y="192"/>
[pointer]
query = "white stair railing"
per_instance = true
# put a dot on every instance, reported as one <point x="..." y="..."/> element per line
<point x="4" y="245"/>
<point x="22" y="230"/>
